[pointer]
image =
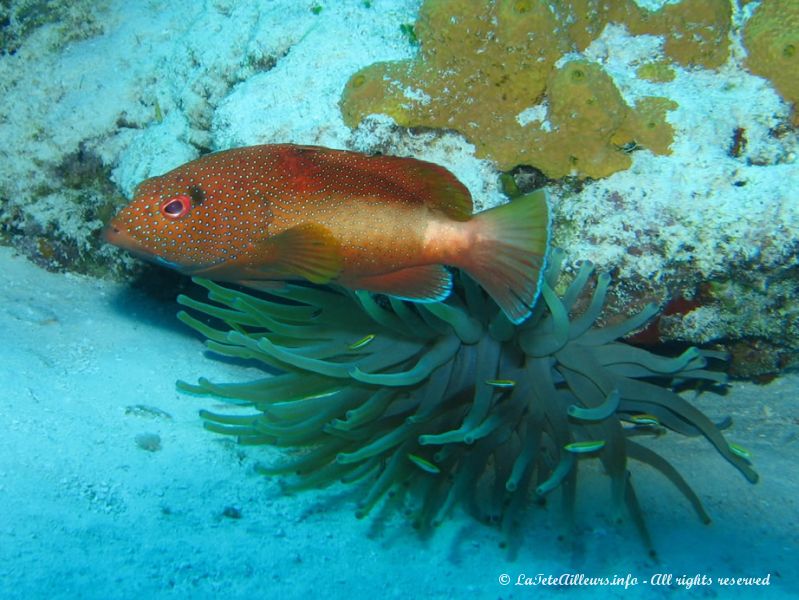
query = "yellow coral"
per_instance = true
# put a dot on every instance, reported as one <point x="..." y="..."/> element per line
<point x="771" y="37"/>
<point x="659" y="72"/>
<point x="587" y="18"/>
<point x="696" y="31"/>
<point x="482" y="65"/>
<point x="583" y="99"/>
<point x="646" y="126"/>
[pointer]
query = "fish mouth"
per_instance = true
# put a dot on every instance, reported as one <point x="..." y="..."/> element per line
<point x="119" y="237"/>
<point x="122" y="239"/>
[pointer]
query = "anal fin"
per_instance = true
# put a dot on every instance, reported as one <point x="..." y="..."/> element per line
<point x="427" y="283"/>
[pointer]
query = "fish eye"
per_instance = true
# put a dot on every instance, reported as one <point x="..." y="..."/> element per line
<point x="177" y="207"/>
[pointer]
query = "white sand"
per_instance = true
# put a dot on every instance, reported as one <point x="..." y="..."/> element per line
<point x="87" y="513"/>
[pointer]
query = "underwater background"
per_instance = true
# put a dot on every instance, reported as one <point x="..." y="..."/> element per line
<point x="666" y="135"/>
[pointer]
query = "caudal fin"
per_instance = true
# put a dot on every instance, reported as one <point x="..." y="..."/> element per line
<point x="510" y="255"/>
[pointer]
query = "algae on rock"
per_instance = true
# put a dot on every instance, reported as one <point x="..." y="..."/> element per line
<point x="75" y="20"/>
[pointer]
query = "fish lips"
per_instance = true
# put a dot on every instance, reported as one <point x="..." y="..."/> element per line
<point x="122" y="239"/>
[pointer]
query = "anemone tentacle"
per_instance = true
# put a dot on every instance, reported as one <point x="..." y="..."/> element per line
<point x="449" y="403"/>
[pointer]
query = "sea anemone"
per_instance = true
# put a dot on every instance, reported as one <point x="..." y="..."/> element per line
<point x="437" y="404"/>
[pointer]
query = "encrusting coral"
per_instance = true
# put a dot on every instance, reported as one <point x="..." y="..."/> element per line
<point x="433" y="405"/>
<point x="771" y="37"/>
<point x="695" y="31"/>
<point x="482" y="66"/>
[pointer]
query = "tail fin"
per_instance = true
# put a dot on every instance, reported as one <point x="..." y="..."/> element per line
<point x="510" y="256"/>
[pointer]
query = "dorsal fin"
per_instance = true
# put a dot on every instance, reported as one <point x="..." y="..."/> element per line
<point x="439" y="188"/>
<point x="395" y="178"/>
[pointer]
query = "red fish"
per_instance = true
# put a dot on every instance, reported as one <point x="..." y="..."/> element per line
<point x="379" y="223"/>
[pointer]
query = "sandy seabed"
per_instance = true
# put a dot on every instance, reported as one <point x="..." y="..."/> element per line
<point x="94" y="506"/>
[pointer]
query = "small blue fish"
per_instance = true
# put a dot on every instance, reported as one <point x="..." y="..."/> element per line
<point x="501" y="383"/>
<point x="423" y="464"/>
<point x="361" y="342"/>
<point x="584" y="447"/>
<point x="739" y="450"/>
<point x="644" y="420"/>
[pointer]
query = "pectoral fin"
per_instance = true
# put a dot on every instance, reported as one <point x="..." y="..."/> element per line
<point x="428" y="283"/>
<point x="265" y="285"/>
<point x="212" y="271"/>
<point x="309" y="251"/>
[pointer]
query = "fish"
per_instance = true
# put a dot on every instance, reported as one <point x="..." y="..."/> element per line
<point x="584" y="447"/>
<point x="501" y="383"/>
<point x="739" y="450"/>
<point x="644" y="419"/>
<point x="266" y="214"/>
<point x="424" y="464"/>
<point x="367" y="339"/>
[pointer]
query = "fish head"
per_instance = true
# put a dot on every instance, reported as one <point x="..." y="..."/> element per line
<point x="160" y="223"/>
<point x="188" y="219"/>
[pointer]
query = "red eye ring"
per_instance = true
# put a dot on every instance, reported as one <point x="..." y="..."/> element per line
<point x="176" y="207"/>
